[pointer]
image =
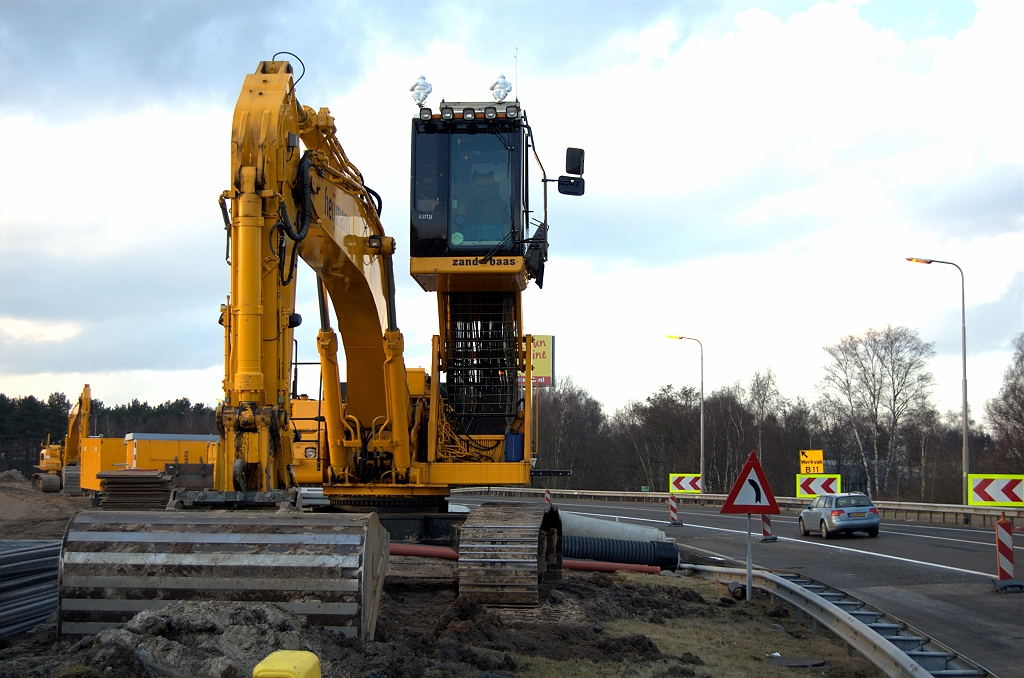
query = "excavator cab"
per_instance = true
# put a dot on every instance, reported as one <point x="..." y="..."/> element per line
<point x="474" y="243"/>
<point x="469" y="184"/>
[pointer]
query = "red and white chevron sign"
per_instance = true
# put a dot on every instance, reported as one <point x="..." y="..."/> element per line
<point x="811" y="485"/>
<point x="996" y="490"/>
<point x="684" y="482"/>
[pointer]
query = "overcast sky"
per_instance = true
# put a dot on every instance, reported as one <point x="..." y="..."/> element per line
<point x="756" y="174"/>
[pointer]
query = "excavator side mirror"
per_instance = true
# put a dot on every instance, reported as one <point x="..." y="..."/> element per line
<point x="574" y="161"/>
<point x="570" y="185"/>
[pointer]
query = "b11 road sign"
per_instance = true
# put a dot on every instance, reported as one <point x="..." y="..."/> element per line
<point x="751" y="493"/>
<point x="812" y="484"/>
<point x="812" y="461"/>
<point x="688" y="483"/>
<point x="993" y="489"/>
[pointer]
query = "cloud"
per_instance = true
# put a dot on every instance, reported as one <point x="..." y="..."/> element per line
<point x="755" y="177"/>
<point x="30" y="331"/>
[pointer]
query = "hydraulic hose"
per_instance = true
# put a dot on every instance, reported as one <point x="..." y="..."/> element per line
<point x="285" y="222"/>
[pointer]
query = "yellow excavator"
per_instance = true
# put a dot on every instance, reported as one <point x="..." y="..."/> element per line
<point x="59" y="466"/>
<point x="383" y="448"/>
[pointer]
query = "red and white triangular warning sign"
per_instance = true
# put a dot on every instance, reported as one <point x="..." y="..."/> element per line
<point x="751" y="493"/>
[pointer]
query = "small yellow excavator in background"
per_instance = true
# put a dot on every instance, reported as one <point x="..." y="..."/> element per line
<point x="388" y="450"/>
<point x="74" y="465"/>
<point x="59" y="467"/>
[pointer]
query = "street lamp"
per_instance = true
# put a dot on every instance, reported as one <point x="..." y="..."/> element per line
<point x="701" y="406"/>
<point x="963" y="355"/>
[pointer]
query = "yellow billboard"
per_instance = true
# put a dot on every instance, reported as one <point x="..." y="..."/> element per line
<point x="543" y="357"/>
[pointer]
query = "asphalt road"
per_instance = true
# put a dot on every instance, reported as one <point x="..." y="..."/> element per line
<point x="934" y="577"/>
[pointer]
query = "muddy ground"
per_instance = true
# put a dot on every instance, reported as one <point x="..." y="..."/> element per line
<point x="27" y="514"/>
<point x="589" y="624"/>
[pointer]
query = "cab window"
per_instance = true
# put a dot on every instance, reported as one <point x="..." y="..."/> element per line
<point x="481" y="189"/>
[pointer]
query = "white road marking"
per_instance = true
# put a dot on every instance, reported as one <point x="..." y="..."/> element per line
<point x="963" y="541"/>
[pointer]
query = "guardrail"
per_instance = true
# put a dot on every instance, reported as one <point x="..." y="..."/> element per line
<point x="905" y="653"/>
<point x="933" y="513"/>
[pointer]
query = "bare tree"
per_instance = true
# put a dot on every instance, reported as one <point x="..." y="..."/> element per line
<point x="1006" y="411"/>
<point x="876" y="380"/>
<point x="904" y="359"/>
<point x="763" y="400"/>
<point x="572" y="430"/>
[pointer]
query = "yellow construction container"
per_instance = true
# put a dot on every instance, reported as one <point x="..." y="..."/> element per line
<point x="288" y="664"/>
<point x="100" y="454"/>
<point x="153" y="450"/>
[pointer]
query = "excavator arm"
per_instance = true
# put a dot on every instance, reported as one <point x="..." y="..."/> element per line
<point x="288" y="203"/>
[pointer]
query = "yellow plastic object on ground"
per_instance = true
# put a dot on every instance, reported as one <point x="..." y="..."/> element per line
<point x="288" y="664"/>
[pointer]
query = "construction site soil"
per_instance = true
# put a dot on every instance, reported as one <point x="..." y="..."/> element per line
<point x="588" y="624"/>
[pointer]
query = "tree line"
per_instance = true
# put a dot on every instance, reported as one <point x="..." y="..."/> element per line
<point x="25" y="423"/>
<point x="873" y="417"/>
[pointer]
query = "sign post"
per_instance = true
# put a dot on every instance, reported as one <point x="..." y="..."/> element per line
<point x="751" y="494"/>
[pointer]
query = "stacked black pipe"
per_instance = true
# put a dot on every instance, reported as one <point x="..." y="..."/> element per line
<point x="663" y="554"/>
<point x="28" y="584"/>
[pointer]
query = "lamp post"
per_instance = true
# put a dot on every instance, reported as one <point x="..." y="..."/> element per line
<point x="701" y="406"/>
<point x="963" y="355"/>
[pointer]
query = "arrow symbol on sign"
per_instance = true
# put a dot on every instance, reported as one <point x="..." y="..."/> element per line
<point x="806" y="486"/>
<point x="1008" y="490"/>
<point x="981" y="487"/>
<point x="677" y="483"/>
<point x="757" y="490"/>
<point x="804" y="455"/>
<point x="827" y="486"/>
<point x="693" y="483"/>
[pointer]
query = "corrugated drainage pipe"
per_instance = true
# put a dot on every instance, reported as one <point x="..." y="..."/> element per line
<point x="661" y="554"/>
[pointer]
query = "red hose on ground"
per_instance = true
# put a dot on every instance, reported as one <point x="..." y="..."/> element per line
<point x="595" y="566"/>
<point x="424" y="551"/>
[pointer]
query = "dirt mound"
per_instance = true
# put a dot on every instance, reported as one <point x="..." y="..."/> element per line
<point x="13" y="476"/>
<point x="419" y="633"/>
<point x="604" y="598"/>
<point x="184" y="640"/>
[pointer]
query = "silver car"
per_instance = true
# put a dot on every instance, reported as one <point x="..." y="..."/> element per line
<point x="831" y="514"/>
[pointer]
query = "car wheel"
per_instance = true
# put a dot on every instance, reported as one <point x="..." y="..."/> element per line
<point x="825" y="534"/>
<point x="873" y="532"/>
<point x="803" y="529"/>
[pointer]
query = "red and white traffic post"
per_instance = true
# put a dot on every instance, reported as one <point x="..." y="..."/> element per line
<point x="1004" y="548"/>
<point x="766" y="529"/>
<point x="673" y="511"/>
<point x="547" y="496"/>
<point x="751" y="494"/>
